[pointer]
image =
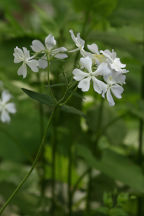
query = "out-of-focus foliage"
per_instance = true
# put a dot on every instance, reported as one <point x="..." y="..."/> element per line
<point x="109" y="147"/>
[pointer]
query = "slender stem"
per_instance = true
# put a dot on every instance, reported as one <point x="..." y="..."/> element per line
<point x="70" y="179"/>
<point x="41" y="118"/>
<point x="69" y="96"/>
<point x="104" y="129"/>
<point x="35" y="160"/>
<point x="79" y="180"/>
<point x="54" y="147"/>
<point x="33" y="166"/>
<point x="89" y="187"/>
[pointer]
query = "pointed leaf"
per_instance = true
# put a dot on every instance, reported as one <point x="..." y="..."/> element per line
<point x="73" y="110"/>
<point x="42" y="98"/>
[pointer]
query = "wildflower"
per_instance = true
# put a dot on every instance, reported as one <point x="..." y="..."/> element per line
<point x="113" y="61"/>
<point x="85" y="78"/>
<point x="79" y="42"/>
<point x="114" y="82"/>
<point x="6" y="107"/>
<point x="95" y="54"/>
<point x="23" y="55"/>
<point x="48" y="50"/>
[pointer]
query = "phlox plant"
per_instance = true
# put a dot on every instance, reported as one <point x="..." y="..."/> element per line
<point x="102" y="69"/>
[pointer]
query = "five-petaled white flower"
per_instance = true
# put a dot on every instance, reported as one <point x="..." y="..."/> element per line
<point x="113" y="61"/>
<point x="6" y="107"/>
<point x="114" y="82"/>
<point x="48" y="50"/>
<point x="23" y="55"/>
<point x="85" y="78"/>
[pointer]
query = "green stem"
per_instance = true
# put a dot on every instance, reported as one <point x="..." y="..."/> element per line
<point x="36" y="158"/>
<point x="79" y="180"/>
<point x="68" y="98"/>
<point x="54" y="146"/>
<point x="41" y="118"/>
<point x="70" y="179"/>
<point x="89" y="187"/>
<point x="33" y="166"/>
<point x="99" y="136"/>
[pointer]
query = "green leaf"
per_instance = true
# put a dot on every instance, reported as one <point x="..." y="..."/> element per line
<point x="115" y="166"/>
<point x="42" y="98"/>
<point x="73" y="110"/>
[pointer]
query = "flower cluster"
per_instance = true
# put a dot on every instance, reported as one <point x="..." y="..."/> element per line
<point x="6" y="106"/>
<point x="42" y="54"/>
<point x="103" y="68"/>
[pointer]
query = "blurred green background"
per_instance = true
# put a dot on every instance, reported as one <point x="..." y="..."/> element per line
<point x="114" y="185"/>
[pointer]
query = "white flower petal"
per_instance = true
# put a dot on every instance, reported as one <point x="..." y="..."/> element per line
<point x="125" y="71"/>
<point x="59" y="50"/>
<point x="93" y="48"/>
<point x="108" y="54"/>
<point x="61" y="56"/>
<point x="37" y="46"/>
<point x="84" y="84"/>
<point x="10" y="107"/>
<point x="103" y="69"/>
<point x="79" y="74"/>
<point x="118" y="77"/>
<point x="43" y="63"/>
<point x="26" y="53"/>
<point x="86" y="63"/>
<point x="6" y="96"/>
<point x="110" y="98"/>
<point x="117" y="90"/>
<point x="22" y="71"/>
<point x="79" y="42"/>
<point x="117" y="65"/>
<point x="73" y="36"/>
<point x="5" y="116"/>
<point x="99" y="86"/>
<point x="18" y="55"/>
<point x="33" y="64"/>
<point x="50" y="42"/>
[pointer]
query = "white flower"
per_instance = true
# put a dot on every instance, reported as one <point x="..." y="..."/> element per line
<point x="6" y="107"/>
<point x="79" y="42"/>
<point x="113" y="61"/>
<point x="114" y="81"/>
<point x="23" y="55"/>
<point x="48" y="49"/>
<point x="85" y="78"/>
<point x="95" y="54"/>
